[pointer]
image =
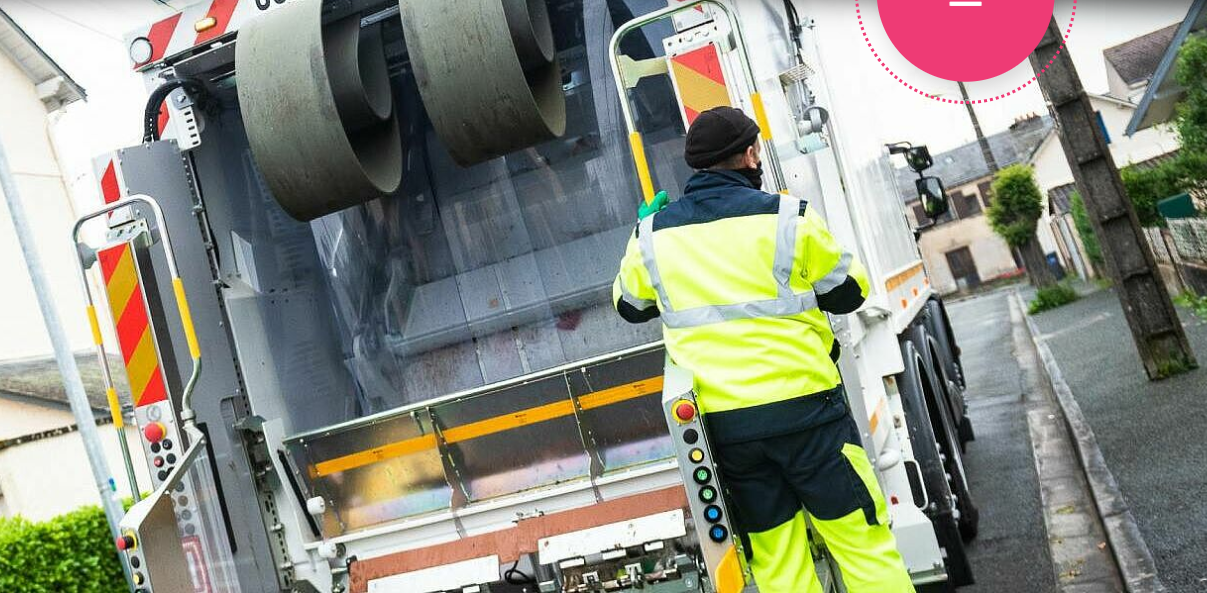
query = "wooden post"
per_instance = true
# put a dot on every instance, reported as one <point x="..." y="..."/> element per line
<point x="1150" y="314"/>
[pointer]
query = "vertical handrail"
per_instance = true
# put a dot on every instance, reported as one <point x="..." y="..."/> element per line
<point x="626" y="108"/>
<point x="182" y="306"/>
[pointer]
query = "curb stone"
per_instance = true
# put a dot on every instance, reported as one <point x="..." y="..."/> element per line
<point x="1127" y="544"/>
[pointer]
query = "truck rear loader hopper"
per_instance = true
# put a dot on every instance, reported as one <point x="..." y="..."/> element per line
<point x="396" y="226"/>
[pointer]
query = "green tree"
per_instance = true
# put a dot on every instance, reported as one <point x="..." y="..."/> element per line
<point x="1081" y="220"/>
<point x="1148" y="185"/>
<point x="1015" y="210"/>
<point x="1191" y="74"/>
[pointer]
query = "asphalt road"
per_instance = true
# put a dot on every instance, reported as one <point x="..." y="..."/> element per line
<point x="1011" y="552"/>
<point x="1151" y="434"/>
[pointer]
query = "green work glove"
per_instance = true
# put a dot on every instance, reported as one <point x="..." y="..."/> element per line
<point x="658" y="203"/>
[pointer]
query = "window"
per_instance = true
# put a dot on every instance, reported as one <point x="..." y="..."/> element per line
<point x="965" y="205"/>
<point x="985" y="188"/>
<point x="920" y="215"/>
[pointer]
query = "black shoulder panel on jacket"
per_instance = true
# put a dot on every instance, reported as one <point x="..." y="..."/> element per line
<point x="632" y="314"/>
<point x="843" y="299"/>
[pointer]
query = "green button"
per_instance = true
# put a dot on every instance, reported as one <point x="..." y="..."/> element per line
<point x="702" y="475"/>
<point x="708" y="494"/>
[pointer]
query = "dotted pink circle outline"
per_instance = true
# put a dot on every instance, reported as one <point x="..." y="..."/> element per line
<point x="911" y="87"/>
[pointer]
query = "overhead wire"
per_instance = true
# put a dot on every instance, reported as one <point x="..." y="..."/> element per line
<point x="71" y="20"/>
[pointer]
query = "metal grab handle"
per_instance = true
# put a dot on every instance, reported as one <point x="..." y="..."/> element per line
<point x="626" y="108"/>
<point x="182" y="306"/>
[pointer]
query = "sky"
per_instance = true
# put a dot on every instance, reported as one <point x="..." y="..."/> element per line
<point x="85" y="38"/>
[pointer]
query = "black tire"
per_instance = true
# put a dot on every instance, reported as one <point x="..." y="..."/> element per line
<point x="952" y="448"/>
<point x="938" y="326"/>
<point x="944" y="587"/>
<point x="927" y="452"/>
<point x="942" y="392"/>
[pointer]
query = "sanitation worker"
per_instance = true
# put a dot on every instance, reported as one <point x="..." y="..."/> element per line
<point x="742" y="280"/>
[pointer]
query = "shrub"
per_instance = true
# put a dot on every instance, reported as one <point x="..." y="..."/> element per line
<point x="1197" y="304"/>
<point x="1051" y="297"/>
<point x="1081" y="220"/>
<point x="71" y="553"/>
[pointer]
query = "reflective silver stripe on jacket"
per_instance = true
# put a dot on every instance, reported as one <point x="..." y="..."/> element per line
<point x="639" y="304"/>
<point x="836" y="276"/>
<point x="788" y="303"/>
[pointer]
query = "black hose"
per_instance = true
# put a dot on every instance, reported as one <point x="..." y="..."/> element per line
<point x="158" y="96"/>
<point x="795" y="29"/>
<point x="515" y="576"/>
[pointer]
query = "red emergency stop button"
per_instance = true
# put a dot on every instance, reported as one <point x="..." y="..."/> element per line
<point x="155" y="432"/>
<point x="685" y="411"/>
<point x="125" y="542"/>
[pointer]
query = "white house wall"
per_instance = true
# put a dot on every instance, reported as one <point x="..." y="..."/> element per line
<point x="24" y="132"/>
<point x="42" y="479"/>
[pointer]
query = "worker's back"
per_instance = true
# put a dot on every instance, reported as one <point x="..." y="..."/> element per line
<point x="737" y="274"/>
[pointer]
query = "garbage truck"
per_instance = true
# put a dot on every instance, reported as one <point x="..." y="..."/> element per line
<point x="359" y="275"/>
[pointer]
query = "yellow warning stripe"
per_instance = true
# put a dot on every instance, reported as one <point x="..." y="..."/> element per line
<point x="643" y="166"/>
<point x="186" y="318"/>
<point x="115" y="408"/>
<point x="898" y="280"/>
<point x="142" y="364"/>
<point x="489" y="426"/>
<point x="697" y="91"/>
<point x="96" y="326"/>
<point x="122" y="284"/>
<point x="760" y="115"/>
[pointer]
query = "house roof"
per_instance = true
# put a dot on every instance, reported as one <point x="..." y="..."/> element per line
<point x="1157" y="105"/>
<point x="964" y="164"/>
<point x="55" y="86"/>
<point x="1060" y="199"/>
<point x="1137" y="59"/>
<point x="38" y="379"/>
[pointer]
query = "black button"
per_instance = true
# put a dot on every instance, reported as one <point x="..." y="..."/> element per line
<point x="171" y="458"/>
<point x="190" y="529"/>
<point x="167" y="444"/>
<point x="155" y="447"/>
<point x="163" y="475"/>
<point x="690" y="436"/>
<point x="135" y="562"/>
<point x="186" y="515"/>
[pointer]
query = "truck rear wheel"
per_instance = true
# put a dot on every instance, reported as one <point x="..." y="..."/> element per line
<point x="929" y="456"/>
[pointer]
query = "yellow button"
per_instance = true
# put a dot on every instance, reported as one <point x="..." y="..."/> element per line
<point x="138" y="578"/>
<point x="696" y="455"/>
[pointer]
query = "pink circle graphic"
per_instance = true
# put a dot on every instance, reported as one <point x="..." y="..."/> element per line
<point x="1043" y="68"/>
<point x="965" y="41"/>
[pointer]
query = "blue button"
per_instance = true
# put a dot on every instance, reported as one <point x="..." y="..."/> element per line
<point x="712" y="513"/>
<point x="718" y="533"/>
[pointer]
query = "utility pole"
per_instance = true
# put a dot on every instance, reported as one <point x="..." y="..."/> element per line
<point x="1150" y="314"/>
<point x="80" y="407"/>
<point x="986" y="152"/>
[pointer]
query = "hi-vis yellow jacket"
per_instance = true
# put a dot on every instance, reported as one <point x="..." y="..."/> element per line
<point x="742" y="280"/>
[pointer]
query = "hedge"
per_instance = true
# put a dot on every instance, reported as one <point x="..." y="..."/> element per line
<point x="71" y="553"/>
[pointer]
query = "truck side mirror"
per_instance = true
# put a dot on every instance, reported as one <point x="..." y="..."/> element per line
<point x="933" y="196"/>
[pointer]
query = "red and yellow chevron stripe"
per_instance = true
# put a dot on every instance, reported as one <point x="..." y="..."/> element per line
<point x="700" y="80"/>
<point x="134" y="334"/>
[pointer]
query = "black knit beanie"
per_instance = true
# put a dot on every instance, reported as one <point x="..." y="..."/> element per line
<point x="717" y="134"/>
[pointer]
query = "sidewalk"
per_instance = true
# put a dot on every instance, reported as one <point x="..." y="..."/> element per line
<point x="1152" y="435"/>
